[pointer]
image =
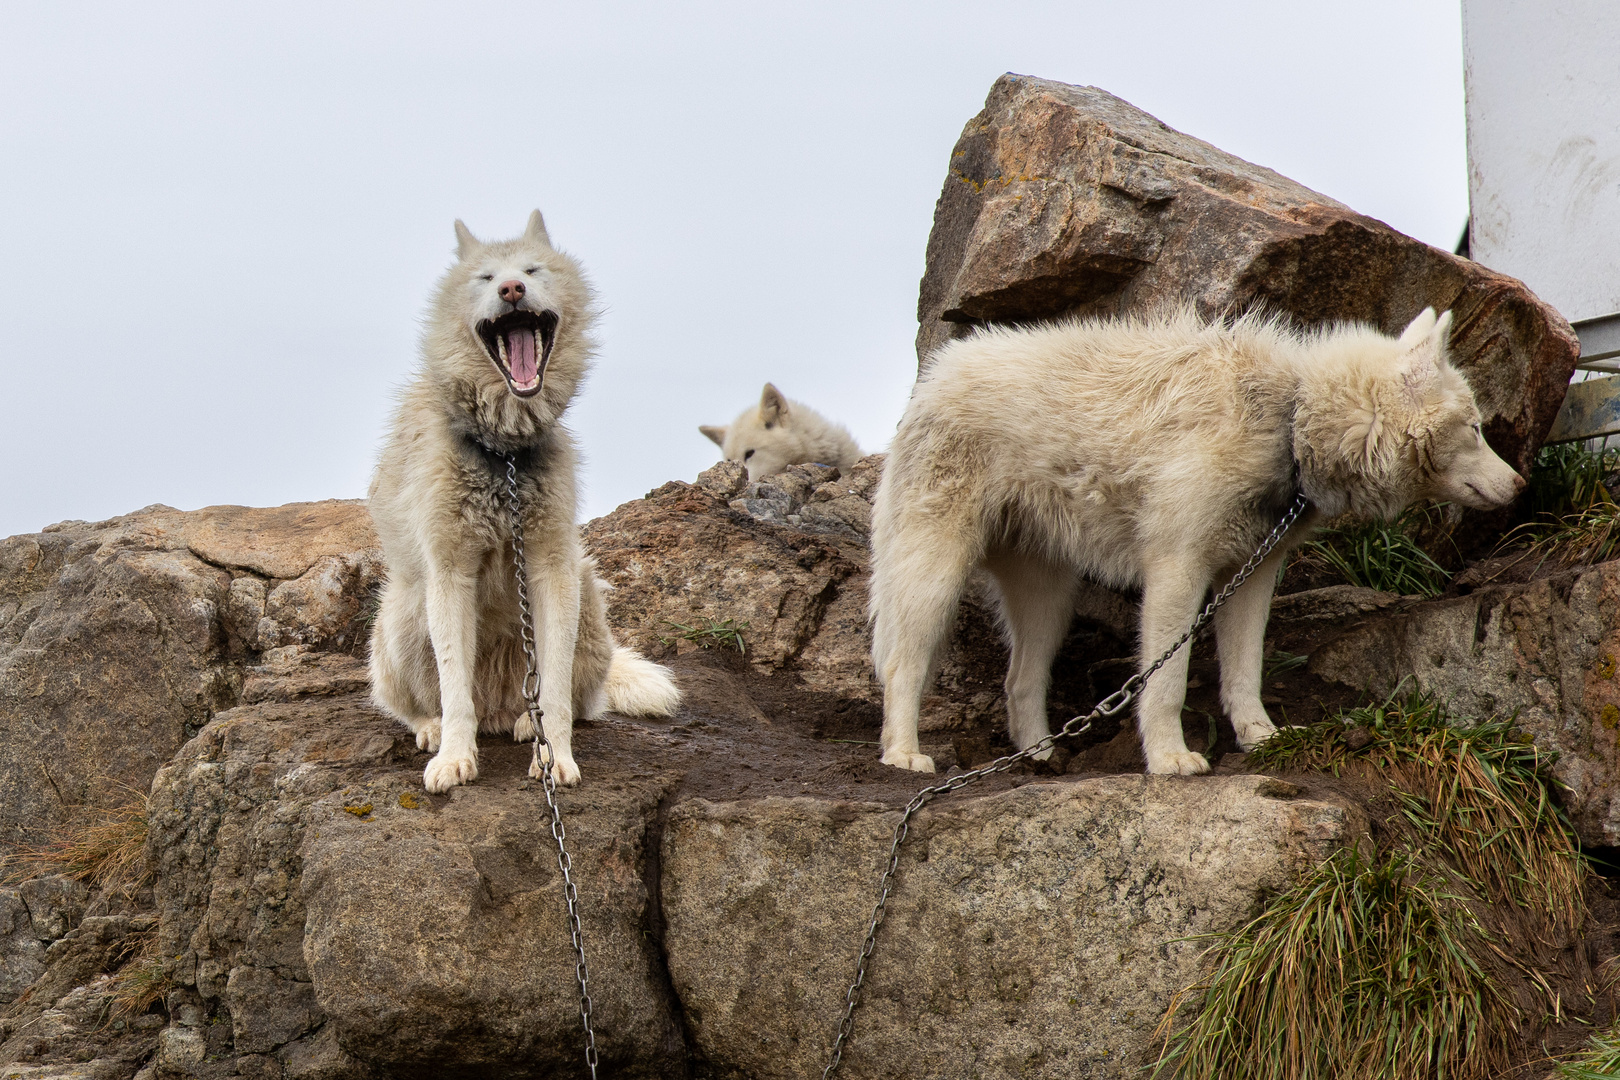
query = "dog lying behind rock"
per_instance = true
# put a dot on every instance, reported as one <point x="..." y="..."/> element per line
<point x="768" y="437"/>
<point x="1154" y="451"/>
<point x="506" y="344"/>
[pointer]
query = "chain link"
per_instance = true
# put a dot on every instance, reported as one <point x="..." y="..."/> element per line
<point x="1109" y="706"/>
<point x="548" y="782"/>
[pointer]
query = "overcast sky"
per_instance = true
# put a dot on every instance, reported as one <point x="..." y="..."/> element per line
<point x="221" y="222"/>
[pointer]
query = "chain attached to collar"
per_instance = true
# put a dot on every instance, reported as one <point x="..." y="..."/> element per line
<point x="543" y="761"/>
<point x="1109" y="706"/>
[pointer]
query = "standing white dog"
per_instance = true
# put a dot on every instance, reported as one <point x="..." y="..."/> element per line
<point x="506" y="345"/>
<point x="776" y="433"/>
<point x="1152" y="451"/>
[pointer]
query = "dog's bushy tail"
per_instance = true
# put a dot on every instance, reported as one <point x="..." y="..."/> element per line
<point x="635" y="686"/>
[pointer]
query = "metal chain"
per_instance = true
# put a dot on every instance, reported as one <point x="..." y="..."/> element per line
<point x="1108" y="706"/>
<point x="548" y="782"/>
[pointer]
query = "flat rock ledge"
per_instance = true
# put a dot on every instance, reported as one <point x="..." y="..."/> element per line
<point x="334" y="920"/>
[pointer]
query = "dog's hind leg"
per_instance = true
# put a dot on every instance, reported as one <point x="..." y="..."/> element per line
<point x="1240" y="639"/>
<point x="1173" y="587"/>
<point x="1037" y="604"/>
<point x="915" y="590"/>
<point x="404" y="678"/>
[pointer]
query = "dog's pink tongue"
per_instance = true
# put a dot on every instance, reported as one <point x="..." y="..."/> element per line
<point x="520" y="354"/>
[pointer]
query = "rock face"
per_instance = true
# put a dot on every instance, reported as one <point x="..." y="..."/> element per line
<point x="787" y="557"/>
<point x="1059" y="907"/>
<point x="119" y="640"/>
<point x="1546" y="651"/>
<point x="1066" y="200"/>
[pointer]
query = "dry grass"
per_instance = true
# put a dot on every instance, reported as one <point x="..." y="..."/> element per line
<point x="1573" y="518"/>
<point x="106" y="848"/>
<point x="143" y="981"/>
<point x="1582" y="538"/>
<point x="1391" y="961"/>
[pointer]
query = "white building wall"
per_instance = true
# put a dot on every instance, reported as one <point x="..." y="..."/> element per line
<point x="1543" y="86"/>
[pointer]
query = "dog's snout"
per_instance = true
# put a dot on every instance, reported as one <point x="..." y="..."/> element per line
<point x="512" y="291"/>
<point x="1519" y="483"/>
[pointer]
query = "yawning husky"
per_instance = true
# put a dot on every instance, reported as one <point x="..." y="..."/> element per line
<point x="506" y="345"/>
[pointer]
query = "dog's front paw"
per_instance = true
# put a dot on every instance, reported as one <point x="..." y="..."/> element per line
<point x="914" y="762"/>
<point x="1251" y="734"/>
<point x="427" y="737"/>
<point x="566" y="773"/>
<point x="1178" y="763"/>
<point x="446" y="770"/>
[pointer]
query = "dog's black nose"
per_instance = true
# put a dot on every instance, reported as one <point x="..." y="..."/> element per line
<point x="512" y="291"/>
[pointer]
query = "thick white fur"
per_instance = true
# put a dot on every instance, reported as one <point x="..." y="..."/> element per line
<point x="446" y="653"/>
<point x="1153" y="451"/>
<point x="776" y="433"/>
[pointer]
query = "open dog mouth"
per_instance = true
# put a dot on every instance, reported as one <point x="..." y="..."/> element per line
<point x="519" y="344"/>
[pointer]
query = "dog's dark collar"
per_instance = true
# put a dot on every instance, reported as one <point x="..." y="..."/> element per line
<point x="495" y="459"/>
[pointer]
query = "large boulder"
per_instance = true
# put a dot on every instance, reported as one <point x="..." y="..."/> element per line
<point x="1066" y="200"/>
<point x="1544" y="652"/>
<point x="1043" y="931"/>
<point x="120" y="639"/>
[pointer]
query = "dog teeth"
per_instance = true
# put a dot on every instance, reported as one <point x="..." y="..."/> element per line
<point x="500" y="346"/>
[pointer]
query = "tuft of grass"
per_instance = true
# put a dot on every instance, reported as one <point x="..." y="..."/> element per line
<point x="1573" y="517"/>
<point x="143" y="981"/>
<point x="1584" y="537"/>
<point x="1385" y="959"/>
<point x="1477" y="794"/>
<point x="708" y="633"/>
<point x="107" y="849"/>
<point x="1367" y="970"/>
<point x="1383" y="555"/>
<point x="1599" y="1061"/>
<point x="1569" y="478"/>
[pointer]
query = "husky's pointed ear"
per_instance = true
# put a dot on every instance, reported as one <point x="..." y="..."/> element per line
<point x="717" y="434"/>
<point x="536" y="229"/>
<point x="466" y="242"/>
<point x="1418" y="328"/>
<point x="772" y="405"/>
<point x="1420" y="371"/>
<point x="1442" y="333"/>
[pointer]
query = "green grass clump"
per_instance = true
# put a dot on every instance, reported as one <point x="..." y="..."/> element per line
<point x="1384" y="961"/>
<point x="1573" y="518"/>
<point x="1600" y="1060"/>
<point x="1365" y="971"/>
<point x="706" y="633"/>
<point x="1478" y="795"/>
<point x="1568" y="478"/>
<point x="1383" y="555"/>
